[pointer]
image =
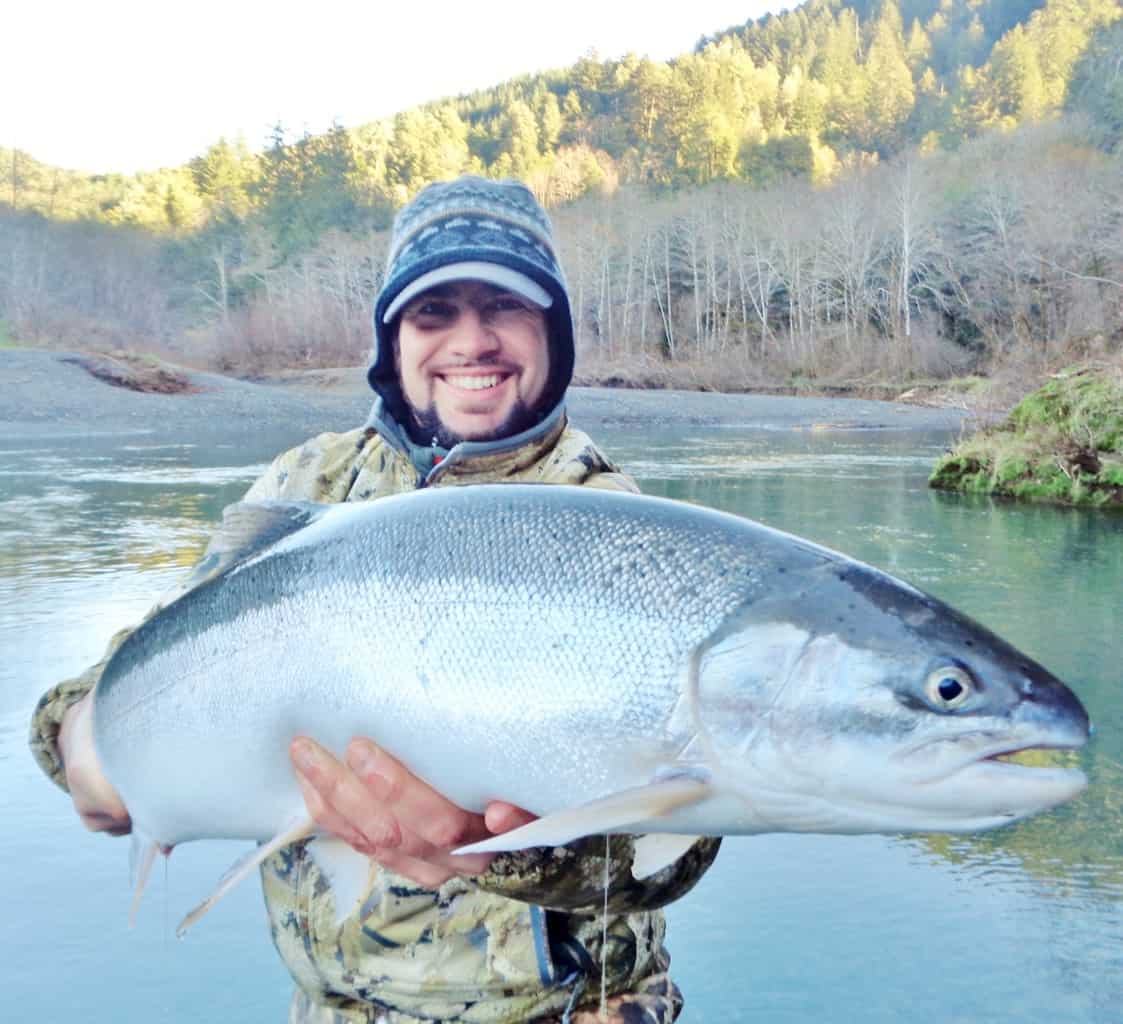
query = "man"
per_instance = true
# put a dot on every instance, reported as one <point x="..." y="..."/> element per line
<point x="473" y="355"/>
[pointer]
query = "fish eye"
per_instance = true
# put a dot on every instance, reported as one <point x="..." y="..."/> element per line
<point x="949" y="687"/>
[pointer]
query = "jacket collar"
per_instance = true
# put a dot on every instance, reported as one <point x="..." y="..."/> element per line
<point x="529" y="445"/>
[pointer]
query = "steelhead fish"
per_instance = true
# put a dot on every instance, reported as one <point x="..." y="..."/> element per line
<point x="610" y="662"/>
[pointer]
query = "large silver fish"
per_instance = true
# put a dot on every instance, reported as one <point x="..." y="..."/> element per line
<point x="610" y="662"/>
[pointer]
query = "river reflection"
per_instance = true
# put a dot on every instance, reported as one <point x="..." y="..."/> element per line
<point x="1020" y="924"/>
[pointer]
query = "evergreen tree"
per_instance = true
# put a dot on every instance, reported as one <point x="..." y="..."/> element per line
<point x="890" y="94"/>
<point x="1096" y="88"/>
<point x="519" y="141"/>
<point x="838" y="68"/>
<point x="918" y="48"/>
<point x="547" y="110"/>
<point x="1015" y="82"/>
<point x="427" y="144"/>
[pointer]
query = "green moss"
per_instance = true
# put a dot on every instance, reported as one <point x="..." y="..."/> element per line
<point x="1011" y="470"/>
<point x="1059" y="444"/>
<point x="1055" y="489"/>
<point x="959" y="472"/>
<point x="1084" y="404"/>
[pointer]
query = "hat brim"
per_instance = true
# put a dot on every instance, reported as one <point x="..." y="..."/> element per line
<point x="489" y="273"/>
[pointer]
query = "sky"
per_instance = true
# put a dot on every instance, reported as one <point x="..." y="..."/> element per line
<point x="131" y="85"/>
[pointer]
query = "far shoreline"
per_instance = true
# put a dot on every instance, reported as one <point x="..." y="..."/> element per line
<point x="47" y="393"/>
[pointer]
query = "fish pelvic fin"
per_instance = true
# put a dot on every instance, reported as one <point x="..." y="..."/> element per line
<point x="142" y="855"/>
<point x="619" y="812"/>
<point x="299" y="829"/>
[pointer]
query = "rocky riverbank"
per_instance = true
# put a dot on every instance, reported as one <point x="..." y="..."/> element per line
<point x="48" y="393"/>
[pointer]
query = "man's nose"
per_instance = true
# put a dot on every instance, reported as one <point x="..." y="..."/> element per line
<point x="474" y="336"/>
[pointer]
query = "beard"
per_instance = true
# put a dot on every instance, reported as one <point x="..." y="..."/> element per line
<point x="427" y="427"/>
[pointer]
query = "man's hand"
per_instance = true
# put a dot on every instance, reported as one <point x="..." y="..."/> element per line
<point x="95" y="800"/>
<point x="382" y="810"/>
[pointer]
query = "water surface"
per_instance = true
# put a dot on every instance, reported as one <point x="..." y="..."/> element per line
<point x="1021" y="924"/>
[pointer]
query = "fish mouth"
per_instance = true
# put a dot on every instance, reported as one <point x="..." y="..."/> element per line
<point x="995" y="781"/>
<point x="1001" y="776"/>
<point x="1033" y="757"/>
<point x="1044" y="772"/>
<point x="1042" y="757"/>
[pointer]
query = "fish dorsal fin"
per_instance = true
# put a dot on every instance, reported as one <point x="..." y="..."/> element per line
<point x="619" y="812"/>
<point x="249" y="528"/>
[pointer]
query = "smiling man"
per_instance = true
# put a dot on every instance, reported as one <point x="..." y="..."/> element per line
<point x="474" y="335"/>
<point x="472" y="359"/>
<point x="473" y="355"/>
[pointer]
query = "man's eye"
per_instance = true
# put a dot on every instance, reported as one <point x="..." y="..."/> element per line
<point x="434" y="308"/>
<point x="506" y="304"/>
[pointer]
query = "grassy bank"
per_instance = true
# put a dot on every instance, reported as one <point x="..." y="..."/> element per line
<point x="1062" y="443"/>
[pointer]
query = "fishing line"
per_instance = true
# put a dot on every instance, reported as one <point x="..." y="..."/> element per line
<point x="168" y="1007"/>
<point x="604" y="934"/>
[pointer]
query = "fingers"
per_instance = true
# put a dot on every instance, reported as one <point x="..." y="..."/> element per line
<point x="426" y="814"/>
<point x="99" y="822"/>
<point x="384" y="811"/>
<point x="328" y="819"/>
<point x="339" y="802"/>
<point x="434" y="872"/>
<point x="500" y="817"/>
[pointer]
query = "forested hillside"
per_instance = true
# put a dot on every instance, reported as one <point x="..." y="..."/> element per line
<point x="838" y="189"/>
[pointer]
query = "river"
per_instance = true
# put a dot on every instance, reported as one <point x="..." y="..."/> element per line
<point x="1022" y="924"/>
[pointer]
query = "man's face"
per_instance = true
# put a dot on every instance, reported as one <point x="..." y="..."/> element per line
<point x="473" y="361"/>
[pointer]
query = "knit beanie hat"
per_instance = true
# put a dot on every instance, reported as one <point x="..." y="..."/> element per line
<point x="482" y="230"/>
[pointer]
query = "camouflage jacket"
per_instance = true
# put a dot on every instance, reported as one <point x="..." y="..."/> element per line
<point x="526" y="940"/>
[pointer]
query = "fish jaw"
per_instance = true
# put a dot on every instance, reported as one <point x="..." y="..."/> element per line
<point x="1023" y="790"/>
<point x="970" y="782"/>
<point x="858" y="789"/>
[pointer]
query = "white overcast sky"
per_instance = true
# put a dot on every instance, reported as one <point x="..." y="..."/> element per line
<point x="128" y="85"/>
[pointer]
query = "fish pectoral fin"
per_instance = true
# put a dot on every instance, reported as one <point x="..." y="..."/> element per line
<point x="349" y="873"/>
<point x="142" y="855"/>
<point x="654" y="851"/>
<point x="619" y="812"/>
<point x="248" y="528"/>
<point x="244" y="865"/>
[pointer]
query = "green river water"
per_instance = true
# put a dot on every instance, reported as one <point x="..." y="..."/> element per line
<point x="1024" y="924"/>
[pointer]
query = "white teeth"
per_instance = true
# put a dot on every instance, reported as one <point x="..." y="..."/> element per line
<point x="474" y="383"/>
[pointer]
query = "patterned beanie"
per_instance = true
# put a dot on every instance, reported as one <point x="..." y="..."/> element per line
<point x="474" y="229"/>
